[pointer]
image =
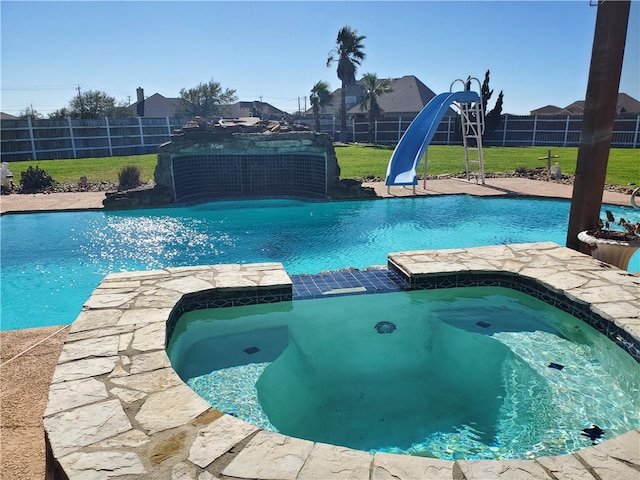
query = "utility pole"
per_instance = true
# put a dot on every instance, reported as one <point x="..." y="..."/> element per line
<point x="80" y="103"/>
<point x="599" y="113"/>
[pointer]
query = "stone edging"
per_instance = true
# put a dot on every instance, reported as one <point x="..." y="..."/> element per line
<point x="118" y="410"/>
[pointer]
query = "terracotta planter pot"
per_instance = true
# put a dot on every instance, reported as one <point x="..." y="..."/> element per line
<point x="614" y="252"/>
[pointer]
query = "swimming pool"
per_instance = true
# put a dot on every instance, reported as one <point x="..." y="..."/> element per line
<point x="51" y="262"/>
<point x="461" y="373"/>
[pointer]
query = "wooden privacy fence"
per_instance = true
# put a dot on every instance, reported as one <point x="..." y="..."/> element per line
<point x="512" y="130"/>
<point x="105" y="137"/>
<point x="57" y="139"/>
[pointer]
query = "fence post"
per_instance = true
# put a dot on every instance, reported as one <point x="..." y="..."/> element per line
<point x="353" y="126"/>
<point x="399" y="129"/>
<point x="449" y="130"/>
<point x="73" y="140"/>
<point x="375" y="131"/>
<point x="535" y="126"/>
<point x="141" y="132"/>
<point x="168" y="127"/>
<point x="566" y="132"/>
<point x="32" y="140"/>
<point x="637" y="132"/>
<point x="504" y="132"/>
<point x="106" y="120"/>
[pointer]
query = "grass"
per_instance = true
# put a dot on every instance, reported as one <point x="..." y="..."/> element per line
<point x="103" y="169"/>
<point x="359" y="161"/>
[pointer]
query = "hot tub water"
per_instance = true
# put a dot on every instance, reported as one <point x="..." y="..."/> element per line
<point x="476" y="373"/>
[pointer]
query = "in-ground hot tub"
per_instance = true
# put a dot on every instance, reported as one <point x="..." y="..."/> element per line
<point x="459" y="373"/>
<point x="116" y="407"/>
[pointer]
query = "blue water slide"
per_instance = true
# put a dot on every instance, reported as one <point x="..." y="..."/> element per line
<point x="415" y="141"/>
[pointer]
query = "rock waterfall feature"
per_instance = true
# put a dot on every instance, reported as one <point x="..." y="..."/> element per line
<point x="245" y="158"/>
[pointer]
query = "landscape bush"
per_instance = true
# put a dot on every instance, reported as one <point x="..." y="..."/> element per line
<point x="129" y="177"/>
<point x="35" y="180"/>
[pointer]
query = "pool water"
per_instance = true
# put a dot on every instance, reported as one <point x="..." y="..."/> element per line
<point x="51" y="262"/>
<point x="464" y="373"/>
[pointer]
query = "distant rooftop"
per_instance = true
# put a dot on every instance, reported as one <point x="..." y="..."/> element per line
<point x="625" y="104"/>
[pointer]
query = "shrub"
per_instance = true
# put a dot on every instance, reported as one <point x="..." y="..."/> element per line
<point x="129" y="177"/>
<point x="35" y="180"/>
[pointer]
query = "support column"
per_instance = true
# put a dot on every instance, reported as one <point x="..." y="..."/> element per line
<point x="599" y="113"/>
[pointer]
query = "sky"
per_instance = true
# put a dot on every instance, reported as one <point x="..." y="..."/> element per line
<point x="538" y="52"/>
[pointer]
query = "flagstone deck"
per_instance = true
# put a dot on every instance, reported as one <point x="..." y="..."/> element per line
<point x="117" y="409"/>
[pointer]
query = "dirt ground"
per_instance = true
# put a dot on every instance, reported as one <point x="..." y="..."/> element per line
<point x="27" y="360"/>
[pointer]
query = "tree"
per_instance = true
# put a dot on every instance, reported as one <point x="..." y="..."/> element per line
<point x="485" y="92"/>
<point x="60" y="114"/>
<point x="349" y="55"/>
<point x="320" y="97"/>
<point x="492" y="119"/>
<point x="31" y="113"/>
<point x="91" y="105"/>
<point x="372" y="88"/>
<point x="204" y="100"/>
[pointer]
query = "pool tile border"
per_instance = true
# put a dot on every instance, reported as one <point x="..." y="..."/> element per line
<point x="118" y="410"/>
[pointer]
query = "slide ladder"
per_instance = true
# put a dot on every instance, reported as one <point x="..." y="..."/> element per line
<point x="472" y="121"/>
<point x="402" y="167"/>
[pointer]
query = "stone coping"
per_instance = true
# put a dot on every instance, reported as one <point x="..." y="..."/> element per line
<point x="118" y="410"/>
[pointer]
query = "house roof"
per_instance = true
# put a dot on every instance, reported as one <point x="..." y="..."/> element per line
<point x="156" y="106"/>
<point x="246" y="109"/>
<point x="547" y="110"/>
<point x="7" y="116"/>
<point x="576" y="108"/>
<point x="625" y="104"/>
<point x="408" y="97"/>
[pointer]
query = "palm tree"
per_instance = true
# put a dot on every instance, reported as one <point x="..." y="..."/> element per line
<point x="348" y="53"/>
<point x="320" y="97"/>
<point x="372" y="88"/>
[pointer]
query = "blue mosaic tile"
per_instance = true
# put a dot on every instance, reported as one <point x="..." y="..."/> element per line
<point x="373" y="281"/>
<point x="300" y="175"/>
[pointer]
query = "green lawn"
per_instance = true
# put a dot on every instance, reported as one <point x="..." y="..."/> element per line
<point x="361" y="161"/>
<point x="104" y="169"/>
<point x="358" y="161"/>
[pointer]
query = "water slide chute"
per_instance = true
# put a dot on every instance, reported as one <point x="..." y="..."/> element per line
<point x="404" y="161"/>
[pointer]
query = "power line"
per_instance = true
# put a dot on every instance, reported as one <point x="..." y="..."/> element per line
<point x="59" y="87"/>
<point x="36" y="87"/>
